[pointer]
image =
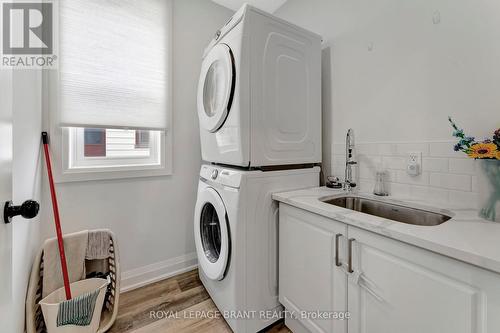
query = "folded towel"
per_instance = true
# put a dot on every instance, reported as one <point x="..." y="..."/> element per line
<point x="98" y="245"/>
<point x="75" y="248"/>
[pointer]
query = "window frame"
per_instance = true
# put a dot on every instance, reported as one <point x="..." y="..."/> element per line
<point x="60" y="142"/>
<point x="60" y="150"/>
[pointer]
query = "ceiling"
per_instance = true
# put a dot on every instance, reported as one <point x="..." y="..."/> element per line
<point x="268" y="5"/>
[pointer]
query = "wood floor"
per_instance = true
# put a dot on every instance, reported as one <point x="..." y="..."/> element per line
<point x="179" y="299"/>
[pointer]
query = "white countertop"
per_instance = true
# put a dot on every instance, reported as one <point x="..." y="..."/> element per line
<point x="466" y="236"/>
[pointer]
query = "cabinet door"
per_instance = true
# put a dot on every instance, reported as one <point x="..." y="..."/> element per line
<point x="309" y="280"/>
<point x="402" y="288"/>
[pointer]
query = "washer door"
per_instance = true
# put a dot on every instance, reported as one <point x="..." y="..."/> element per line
<point x="215" y="88"/>
<point x="211" y="234"/>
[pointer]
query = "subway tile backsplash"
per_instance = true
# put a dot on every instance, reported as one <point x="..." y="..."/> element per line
<point x="451" y="181"/>
<point x="446" y="176"/>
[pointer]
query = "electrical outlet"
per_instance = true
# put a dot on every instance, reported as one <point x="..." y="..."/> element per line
<point x="414" y="164"/>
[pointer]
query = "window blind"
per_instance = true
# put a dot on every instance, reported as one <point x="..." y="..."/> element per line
<point x="114" y="61"/>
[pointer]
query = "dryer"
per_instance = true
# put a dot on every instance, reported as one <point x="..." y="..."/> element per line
<point x="236" y="235"/>
<point x="259" y="93"/>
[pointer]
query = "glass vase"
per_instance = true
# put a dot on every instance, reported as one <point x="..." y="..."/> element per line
<point x="489" y="189"/>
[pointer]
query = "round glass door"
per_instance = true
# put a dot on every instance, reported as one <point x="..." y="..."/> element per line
<point x="211" y="234"/>
<point x="215" y="87"/>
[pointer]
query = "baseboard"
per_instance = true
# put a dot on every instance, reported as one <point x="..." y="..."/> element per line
<point x="145" y="275"/>
<point x="295" y="326"/>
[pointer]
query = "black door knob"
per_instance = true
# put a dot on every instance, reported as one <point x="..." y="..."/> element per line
<point x="29" y="209"/>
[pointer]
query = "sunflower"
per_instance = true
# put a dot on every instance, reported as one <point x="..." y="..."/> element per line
<point x="483" y="150"/>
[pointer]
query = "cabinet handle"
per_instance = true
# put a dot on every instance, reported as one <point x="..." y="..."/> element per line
<point x="349" y="255"/>
<point x="337" y="246"/>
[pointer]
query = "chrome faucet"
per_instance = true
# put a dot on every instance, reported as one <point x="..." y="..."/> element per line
<point x="348" y="184"/>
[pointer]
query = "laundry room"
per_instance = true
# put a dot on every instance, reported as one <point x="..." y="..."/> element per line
<point x="249" y="166"/>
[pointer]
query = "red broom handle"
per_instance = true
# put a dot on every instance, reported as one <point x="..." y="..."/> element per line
<point x="55" y="207"/>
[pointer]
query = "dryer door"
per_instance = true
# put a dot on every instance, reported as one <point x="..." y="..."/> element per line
<point x="215" y="88"/>
<point x="211" y="234"/>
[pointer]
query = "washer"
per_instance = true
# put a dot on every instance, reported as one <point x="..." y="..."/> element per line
<point x="235" y="227"/>
<point x="259" y="93"/>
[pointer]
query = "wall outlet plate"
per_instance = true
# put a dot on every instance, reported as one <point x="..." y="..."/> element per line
<point x="414" y="163"/>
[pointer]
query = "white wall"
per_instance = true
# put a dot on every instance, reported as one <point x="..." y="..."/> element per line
<point x="393" y="71"/>
<point x="396" y="75"/>
<point x="153" y="217"/>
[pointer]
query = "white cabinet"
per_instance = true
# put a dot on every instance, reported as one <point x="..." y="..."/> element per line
<point x="309" y="280"/>
<point x="393" y="288"/>
<point x="403" y="288"/>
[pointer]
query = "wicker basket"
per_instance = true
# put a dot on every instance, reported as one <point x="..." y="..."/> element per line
<point x="34" y="316"/>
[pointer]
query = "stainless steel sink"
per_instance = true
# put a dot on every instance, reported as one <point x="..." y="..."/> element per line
<point x="389" y="211"/>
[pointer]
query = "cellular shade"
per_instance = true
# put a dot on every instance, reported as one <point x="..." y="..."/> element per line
<point x="114" y="63"/>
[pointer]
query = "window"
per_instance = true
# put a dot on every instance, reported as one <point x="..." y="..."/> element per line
<point x="113" y="148"/>
<point x="113" y="143"/>
<point x="113" y="89"/>
<point x="100" y="142"/>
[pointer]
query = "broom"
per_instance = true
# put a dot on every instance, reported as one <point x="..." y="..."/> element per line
<point x="79" y="310"/>
<point x="57" y="220"/>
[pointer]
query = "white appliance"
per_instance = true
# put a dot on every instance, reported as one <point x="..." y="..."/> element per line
<point x="236" y="237"/>
<point x="259" y="94"/>
<point x="267" y="5"/>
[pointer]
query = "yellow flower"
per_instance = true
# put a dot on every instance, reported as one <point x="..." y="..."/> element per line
<point x="498" y="155"/>
<point x="483" y="150"/>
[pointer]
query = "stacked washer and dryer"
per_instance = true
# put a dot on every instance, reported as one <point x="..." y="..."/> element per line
<point x="259" y="108"/>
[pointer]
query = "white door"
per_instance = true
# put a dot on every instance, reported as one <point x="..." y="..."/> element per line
<point x="215" y="88"/>
<point x="5" y="195"/>
<point x="311" y="276"/>
<point x="20" y="127"/>
<point x="398" y="288"/>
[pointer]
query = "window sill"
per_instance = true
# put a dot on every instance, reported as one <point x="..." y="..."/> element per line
<point x="117" y="173"/>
